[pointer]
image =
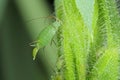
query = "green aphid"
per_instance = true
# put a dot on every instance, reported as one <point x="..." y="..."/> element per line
<point x="45" y="36"/>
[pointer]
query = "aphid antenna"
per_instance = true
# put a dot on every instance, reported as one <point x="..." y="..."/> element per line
<point x="50" y="16"/>
<point x="36" y="18"/>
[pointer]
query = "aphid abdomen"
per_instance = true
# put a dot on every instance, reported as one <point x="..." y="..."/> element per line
<point x="47" y="34"/>
<point x="45" y="37"/>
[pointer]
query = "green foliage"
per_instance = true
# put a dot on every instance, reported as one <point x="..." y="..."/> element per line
<point x="107" y="66"/>
<point x="90" y="46"/>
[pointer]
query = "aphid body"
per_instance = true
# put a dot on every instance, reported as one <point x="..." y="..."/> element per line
<point x="45" y="36"/>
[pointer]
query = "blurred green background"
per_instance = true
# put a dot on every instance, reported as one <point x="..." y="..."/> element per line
<point x="17" y="31"/>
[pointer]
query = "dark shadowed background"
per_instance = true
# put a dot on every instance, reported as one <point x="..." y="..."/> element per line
<point x="17" y="31"/>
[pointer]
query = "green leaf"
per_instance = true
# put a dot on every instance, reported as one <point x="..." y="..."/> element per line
<point x="86" y="9"/>
<point x="107" y="66"/>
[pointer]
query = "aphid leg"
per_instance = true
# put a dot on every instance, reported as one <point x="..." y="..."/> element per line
<point x="53" y="41"/>
<point x="61" y="38"/>
<point x="44" y="49"/>
<point x="33" y="43"/>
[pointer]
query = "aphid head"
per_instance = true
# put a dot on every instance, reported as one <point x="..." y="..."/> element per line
<point x="56" y="24"/>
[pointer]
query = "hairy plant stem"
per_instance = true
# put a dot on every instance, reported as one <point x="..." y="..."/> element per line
<point x="89" y="49"/>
